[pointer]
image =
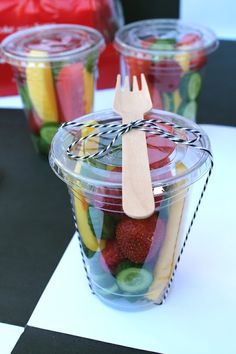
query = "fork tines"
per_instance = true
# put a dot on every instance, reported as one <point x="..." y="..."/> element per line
<point x="134" y="86"/>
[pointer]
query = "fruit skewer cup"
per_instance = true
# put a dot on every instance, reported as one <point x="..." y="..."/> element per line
<point x="172" y="55"/>
<point x="55" y="67"/>
<point x="130" y="262"/>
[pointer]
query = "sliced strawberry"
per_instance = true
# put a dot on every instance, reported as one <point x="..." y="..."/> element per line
<point x="135" y="237"/>
<point x="70" y="91"/>
<point x="159" y="149"/>
<point x="111" y="256"/>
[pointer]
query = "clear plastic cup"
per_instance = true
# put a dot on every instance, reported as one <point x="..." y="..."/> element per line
<point x="55" y="67"/>
<point x="172" y="55"/>
<point x="130" y="263"/>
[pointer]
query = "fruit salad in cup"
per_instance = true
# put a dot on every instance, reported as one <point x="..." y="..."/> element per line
<point x="129" y="262"/>
<point x="55" y="67"/>
<point x="121" y="254"/>
<point x="172" y="55"/>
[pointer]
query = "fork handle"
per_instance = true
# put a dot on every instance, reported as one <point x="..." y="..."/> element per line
<point x="137" y="193"/>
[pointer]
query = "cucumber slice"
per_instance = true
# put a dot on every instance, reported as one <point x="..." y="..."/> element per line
<point x="194" y="86"/>
<point x="127" y="264"/>
<point x="134" y="280"/>
<point x="48" y="131"/>
<point x="190" y="86"/>
<point x="189" y="110"/>
<point x="164" y="44"/>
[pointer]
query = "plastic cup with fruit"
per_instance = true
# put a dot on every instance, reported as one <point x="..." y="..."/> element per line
<point x="130" y="262"/>
<point x="172" y="55"/>
<point x="55" y="67"/>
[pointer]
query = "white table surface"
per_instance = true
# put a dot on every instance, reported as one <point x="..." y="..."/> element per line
<point x="199" y="314"/>
<point x="9" y="335"/>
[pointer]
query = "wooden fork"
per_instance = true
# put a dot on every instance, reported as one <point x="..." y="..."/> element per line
<point x="137" y="193"/>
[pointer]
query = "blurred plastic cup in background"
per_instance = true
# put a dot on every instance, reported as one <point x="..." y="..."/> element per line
<point x="130" y="263"/>
<point x="55" y="67"/>
<point x="172" y="55"/>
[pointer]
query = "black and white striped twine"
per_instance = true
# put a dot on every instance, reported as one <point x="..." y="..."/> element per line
<point x="150" y="126"/>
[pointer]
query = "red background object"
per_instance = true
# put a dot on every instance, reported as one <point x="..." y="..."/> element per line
<point x="104" y="15"/>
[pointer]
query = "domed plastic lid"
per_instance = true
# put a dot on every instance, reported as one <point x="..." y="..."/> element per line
<point x="148" y="38"/>
<point x="60" y="42"/>
<point x="170" y="161"/>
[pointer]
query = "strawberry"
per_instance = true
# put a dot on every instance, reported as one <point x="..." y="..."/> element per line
<point x="111" y="256"/>
<point x="135" y="237"/>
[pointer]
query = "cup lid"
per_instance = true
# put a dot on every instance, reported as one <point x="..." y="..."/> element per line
<point x="148" y="38"/>
<point x="170" y="162"/>
<point x="60" y="42"/>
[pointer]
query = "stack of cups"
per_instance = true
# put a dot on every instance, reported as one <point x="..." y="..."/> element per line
<point x="55" y="67"/>
<point x="131" y="263"/>
<point x="172" y="55"/>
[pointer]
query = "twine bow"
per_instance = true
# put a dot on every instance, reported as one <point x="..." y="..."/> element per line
<point x="151" y="126"/>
